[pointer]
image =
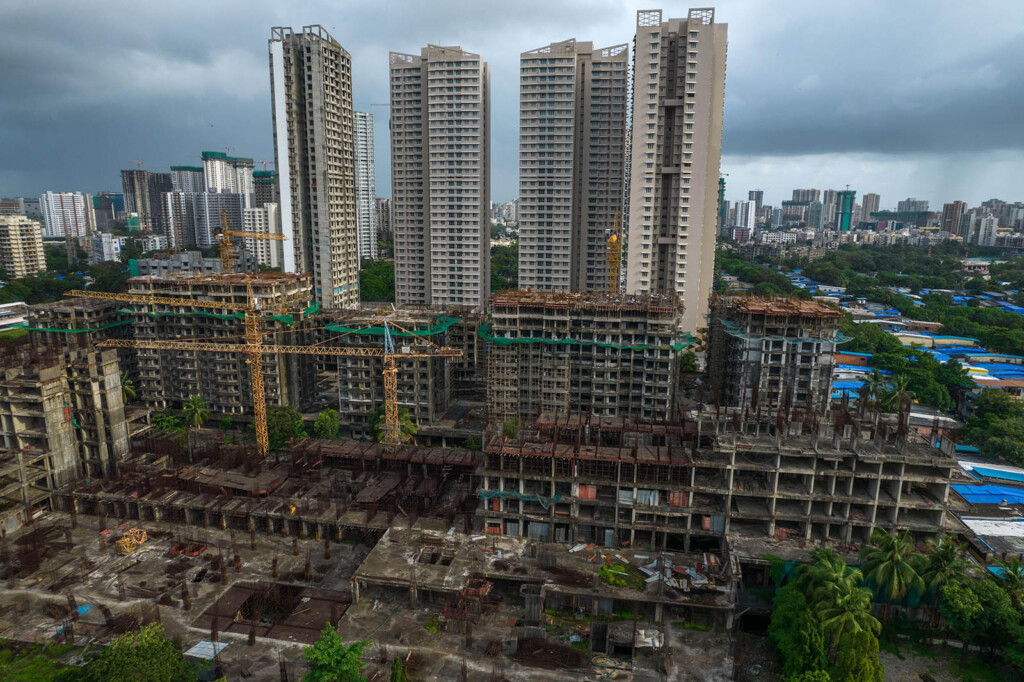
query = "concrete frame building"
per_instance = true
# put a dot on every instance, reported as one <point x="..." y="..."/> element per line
<point x="142" y="196"/>
<point x="772" y="354"/>
<point x="67" y="211"/>
<point x="385" y="220"/>
<point x="807" y="195"/>
<point x="366" y="186"/>
<point x="21" y="246"/>
<point x="441" y="181"/>
<point x="207" y="210"/>
<point x="869" y="204"/>
<point x="953" y="217"/>
<point x="678" y="105"/>
<point x="264" y="188"/>
<point x="572" y="134"/>
<point x="180" y="215"/>
<point x="314" y="154"/>
<point x="557" y="353"/>
<point x="167" y="378"/>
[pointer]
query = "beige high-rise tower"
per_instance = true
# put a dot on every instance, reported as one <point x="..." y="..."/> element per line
<point x="314" y="149"/>
<point x="441" y="180"/>
<point x="678" y="102"/>
<point x="572" y="135"/>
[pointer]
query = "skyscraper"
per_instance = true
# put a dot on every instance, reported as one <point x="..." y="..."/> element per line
<point x="65" y="212"/>
<point x="314" y="148"/>
<point x="180" y="214"/>
<point x="142" y="190"/>
<point x="816" y="215"/>
<point x="868" y="205"/>
<point x="223" y="173"/>
<point x="440" y="170"/>
<point x="952" y="217"/>
<point x="366" y="186"/>
<point x="757" y="196"/>
<point x="746" y="214"/>
<point x="806" y="195"/>
<point x="678" y="102"/>
<point x="187" y="179"/>
<point x="385" y="229"/>
<point x="264" y="188"/>
<point x="912" y="205"/>
<point x="572" y="135"/>
<point x="828" y="205"/>
<point x="844" y="210"/>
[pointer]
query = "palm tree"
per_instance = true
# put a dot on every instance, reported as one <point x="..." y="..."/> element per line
<point x="897" y="395"/>
<point x="848" y="613"/>
<point x="196" y="413"/>
<point x="873" y="386"/>
<point x="406" y="426"/>
<point x="1012" y="580"/>
<point x="891" y="564"/>
<point x="943" y="562"/>
<point x="127" y="388"/>
<point x="827" y="575"/>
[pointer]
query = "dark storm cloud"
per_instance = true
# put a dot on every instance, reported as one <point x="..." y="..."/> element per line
<point x="87" y="86"/>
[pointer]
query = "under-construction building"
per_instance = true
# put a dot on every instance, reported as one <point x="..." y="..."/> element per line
<point x="717" y="472"/>
<point x="772" y="352"/>
<point x="168" y="378"/>
<point x="427" y="387"/>
<point x="597" y="354"/>
<point x="61" y="416"/>
<point x="86" y="320"/>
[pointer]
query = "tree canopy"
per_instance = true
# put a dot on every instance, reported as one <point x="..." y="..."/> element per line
<point x="377" y="281"/>
<point x="331" y="661"/>
<point x="141" y="656"/>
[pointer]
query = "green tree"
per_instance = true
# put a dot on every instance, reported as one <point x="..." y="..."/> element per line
<point x="504" y="267"/>
<point x="168" y="422"/>
<point x="857" y="659"/>
<point x="226" y="423"/>
<point x="284" y="424"/>
<point x="943" y="562"/>
<point x="997" y="425"/>
<point x="331" y="661"/>
<point x="795" y="633"/>
<point x="406" y="426"/>
<point x="144" y="655"/>
<point x="110" y="277"/>
<point x="979" y="612"/>
<point x="890" y="564"/>
<point x="127" y="388"/>
<point x="871" y="390"/>
<point x="326" y="425"/>
<point x="377" y="281"/>
<point x="688" y="362"/>
<point x="196" y="414"/>
<point x="848" y="612"/>
<point x="897" y="394"/>
<point x="1011" y="578"/>
<point x="398" y="673"/>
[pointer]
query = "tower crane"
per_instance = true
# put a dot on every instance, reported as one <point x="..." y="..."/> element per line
<point x="614" y="257"/>
<point x="227" y="253"/>
<point x="253" y="348"/>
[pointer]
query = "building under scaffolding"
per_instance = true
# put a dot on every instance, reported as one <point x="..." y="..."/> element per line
<point x="772" y="353"/>
<point x="730" y="472"/>
<point x="606" y="355"/>
<point x="168" y="378"/>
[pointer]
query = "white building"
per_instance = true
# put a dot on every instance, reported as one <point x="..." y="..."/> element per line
<point x="982" y="227"/>
<point x="263" y="219"/>
<point x="188" y="179"/>
<point x="63" y="211"/>
<point x="223" y="173"/>
<point x="678" y="106"/>
<point x="440" y="169"/>
<point x="156" y="242"/>
<point x="366" y="186"/>
<point x="746" y="214"/>
<point x="105" y="247"/>
<point x="776" y="237"/>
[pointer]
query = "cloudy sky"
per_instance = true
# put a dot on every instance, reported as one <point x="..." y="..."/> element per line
<point x="920" y="98"/>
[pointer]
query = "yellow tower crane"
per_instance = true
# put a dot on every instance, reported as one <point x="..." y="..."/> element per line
<point x="614" y="254"/>
<point x="227" y="249"/>
<point x="253" y="349"/>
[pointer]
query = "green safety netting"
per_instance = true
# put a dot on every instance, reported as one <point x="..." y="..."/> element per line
<point x="485" y="333"/>
<point x="441" y="325"/>
<point x="733" y="329"/>
<point x="71" y="331"/>
<point x="510" y="494"/>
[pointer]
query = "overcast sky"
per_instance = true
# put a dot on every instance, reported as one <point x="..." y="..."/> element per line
<point x="903" y="98"/>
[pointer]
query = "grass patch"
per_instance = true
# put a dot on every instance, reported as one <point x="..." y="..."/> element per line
<point x="433" y="624"/>
<point x="34" y="663"/>
<point x="690" y="625"/>
<point x="619" y="575"/>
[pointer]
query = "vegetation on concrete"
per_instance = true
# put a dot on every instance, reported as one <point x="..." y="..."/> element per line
<point x="621" y="575"/>
<point x="331" y="661"/>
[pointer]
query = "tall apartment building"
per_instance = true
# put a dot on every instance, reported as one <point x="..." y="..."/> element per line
<point x="264" y="188"/>
<point x="746" y="214"/>
<point x="223" y="173"/>
<point x="385" y="219"/>
<point x="807" y="195"/>
<point x="952" y="217"/>
<point x="572" y="135"/>
<point x="142" y="190"/>
<point x="314" y="154"/>
<point x="179" y="211"/>
<point x="65" y="212"/>
<point x="816" y="215"/>
<point x="555" y="352"/>
<point x="21" y="246"/>
<point x="188" y="179"/>
<point x="263" y="219"/>
<point x="757" y="196"/>
<point x="441" y="181"/>
<point x="366" y="186"/>
<point x="845" y="201"/>
<point x="981" y="227"/>
<point x="678" y="104"/>
<point x="912" y="205"/>
<point x="869" y="204"/>
<point x="167" y="378"/>
<point x="828" y="204"/>
<point x="208" y="208"/>
<point x="772" y="354"/>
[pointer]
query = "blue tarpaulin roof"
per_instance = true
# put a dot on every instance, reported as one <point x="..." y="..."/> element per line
<point x="996" y="473"/>
<point x="990" y="494"/>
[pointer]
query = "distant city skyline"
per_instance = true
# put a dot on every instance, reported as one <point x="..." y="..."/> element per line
<point x="93" y="92"/>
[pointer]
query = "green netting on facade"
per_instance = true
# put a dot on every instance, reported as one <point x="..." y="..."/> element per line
<point x="285" y="319"/>
<point x="441" y="325"/>
<point x="545" y="502"/>
<point x="72" y="331"/>
<point x="484" y="332"/>
<point x="733" y="329"/>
